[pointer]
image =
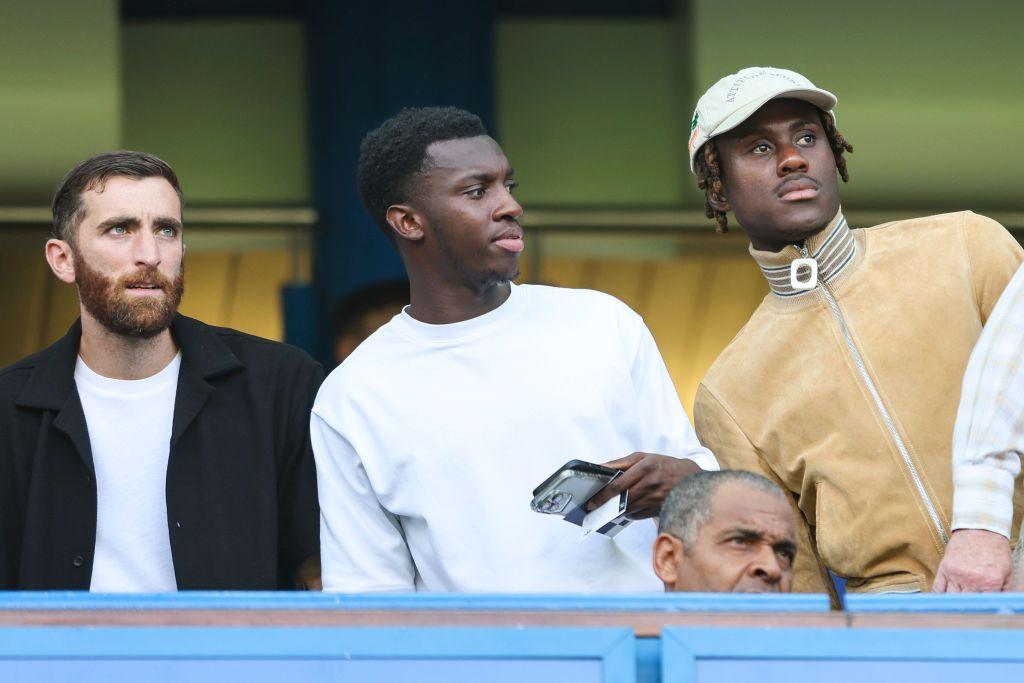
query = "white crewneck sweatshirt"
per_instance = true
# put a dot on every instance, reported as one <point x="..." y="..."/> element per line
<point x="429" y="440"/>
<point x="129" y="424"/>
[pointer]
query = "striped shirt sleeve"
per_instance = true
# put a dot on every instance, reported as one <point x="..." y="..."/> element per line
<point x="988" y="438"/>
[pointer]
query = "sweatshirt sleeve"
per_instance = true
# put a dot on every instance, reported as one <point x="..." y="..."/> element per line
<point x="988" y="438"/>
<point x="666" y="428"/>
<point x="718" y="431"/>
<point x="994" y="257"/>
<point x="362" y="548"/>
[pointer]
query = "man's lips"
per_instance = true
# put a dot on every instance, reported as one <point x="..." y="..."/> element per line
<point x="797" y="189"/>
<point x="511" y="240"/>
<point x="144" y="288"/>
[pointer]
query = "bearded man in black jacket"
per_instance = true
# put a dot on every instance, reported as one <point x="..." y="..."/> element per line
<point x="146" y="451"/>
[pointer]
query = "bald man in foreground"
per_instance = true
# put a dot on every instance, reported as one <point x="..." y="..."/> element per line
<point x="726" y="532"/>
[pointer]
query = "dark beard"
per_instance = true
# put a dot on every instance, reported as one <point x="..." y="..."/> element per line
<point x="476" y="280"/>
<point x="107" y="300"/>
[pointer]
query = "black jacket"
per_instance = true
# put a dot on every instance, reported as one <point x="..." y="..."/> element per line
<point x="242" y="507"/>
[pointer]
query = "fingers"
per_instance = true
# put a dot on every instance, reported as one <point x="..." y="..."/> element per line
<point x="976" y="561"/>
<point x="648" y="478"/>
<point x="643" y="513"/>
<point x="643" y="507"/>
<point x="988" y="581"/>
<point x="624" y="463"/>
<point x="610" y="491"/>
<point x="961" y="580"/>
<point x="624" y="482"/>
<point x="630" y="478"/>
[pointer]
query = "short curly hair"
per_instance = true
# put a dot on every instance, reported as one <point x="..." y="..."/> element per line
<point x="391" y="156"/>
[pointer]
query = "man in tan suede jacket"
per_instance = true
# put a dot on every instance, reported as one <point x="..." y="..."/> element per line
<point x="843" y="386"/>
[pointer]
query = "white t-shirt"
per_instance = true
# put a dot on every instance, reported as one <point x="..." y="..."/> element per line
<point x="429" y="440"/>
<point x="129" y="425"/>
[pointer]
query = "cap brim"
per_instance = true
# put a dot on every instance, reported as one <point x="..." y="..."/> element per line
<point x="822" y="99"/>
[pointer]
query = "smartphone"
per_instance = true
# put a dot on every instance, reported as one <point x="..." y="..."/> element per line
<point x="570" y="487"/>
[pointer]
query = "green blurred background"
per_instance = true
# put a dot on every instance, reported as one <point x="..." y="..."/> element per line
<point x="592" y="108"/>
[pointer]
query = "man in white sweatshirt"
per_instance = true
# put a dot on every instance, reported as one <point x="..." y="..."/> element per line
<point x="431" y="436"/>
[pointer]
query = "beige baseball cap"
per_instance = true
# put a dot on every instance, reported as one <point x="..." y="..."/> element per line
<point x="733" y="100"/>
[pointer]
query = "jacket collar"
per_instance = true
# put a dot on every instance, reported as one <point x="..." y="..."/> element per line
<point x="53" y="379"/>
<point x="834" y="248"/>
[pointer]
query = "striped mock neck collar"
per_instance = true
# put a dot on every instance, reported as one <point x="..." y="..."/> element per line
<point x="833" y="248"/>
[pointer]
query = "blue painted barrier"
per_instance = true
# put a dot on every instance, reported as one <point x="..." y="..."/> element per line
<point x="964" y="603"/>
<point x="831" y="649"/>
<point x="268" y="655"/>
<point x="655" y="602"/>
<point x="690" y="655"/>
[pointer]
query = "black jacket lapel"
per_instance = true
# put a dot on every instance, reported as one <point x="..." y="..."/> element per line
<point x="52" y="387"/>
<point x="203" y="356"/>
<point x="193" y="391"/>
<point x="71" y="421"/>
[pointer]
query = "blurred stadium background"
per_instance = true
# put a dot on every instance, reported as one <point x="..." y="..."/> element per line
<point x="259" y="105"/>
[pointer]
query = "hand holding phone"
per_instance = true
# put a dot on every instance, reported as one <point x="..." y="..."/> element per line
<point x="648" y="477"/>
<point x="568" y="490"/>
<point x="571" y="486"/>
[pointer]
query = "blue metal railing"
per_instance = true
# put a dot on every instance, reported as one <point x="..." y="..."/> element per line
<point x="677" y="602"/>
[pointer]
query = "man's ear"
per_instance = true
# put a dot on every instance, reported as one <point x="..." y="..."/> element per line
<point x="718" y="201"/>
<point x="668" y="554"/>
<point x="61" y="259"/>
<point x="405" y="221"/>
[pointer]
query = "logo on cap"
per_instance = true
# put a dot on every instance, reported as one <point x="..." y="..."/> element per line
<point x="693" y="133"/>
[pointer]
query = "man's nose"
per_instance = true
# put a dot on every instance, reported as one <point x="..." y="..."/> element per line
<point x="508" y="208"/>
<point x="145" y="250"/>
<point x="791" y="160"/>
<point x="766" y="566"/>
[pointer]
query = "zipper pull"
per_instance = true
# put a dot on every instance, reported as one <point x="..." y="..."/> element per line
<point x="809" y="282"/>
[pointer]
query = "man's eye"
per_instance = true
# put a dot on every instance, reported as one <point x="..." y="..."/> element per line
<point x="168" y="232"/>
<point x="119" y="230"/>
<point x="806" y="139"/>
<point x="738" y="541"/>
<point x="476" y="193"/>
<point x="511" y="186"/>
<point x="761" y="148"/>
<point x="787" y="555"/>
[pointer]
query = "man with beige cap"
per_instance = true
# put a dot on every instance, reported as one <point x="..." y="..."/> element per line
<point x="844" y="384"/>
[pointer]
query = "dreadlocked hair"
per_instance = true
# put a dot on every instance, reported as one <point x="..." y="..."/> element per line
<point x="709" y="170"/>
<point x="709" y="179"/>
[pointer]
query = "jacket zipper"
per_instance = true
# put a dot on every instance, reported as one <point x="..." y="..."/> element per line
<point x="886" y="417"/>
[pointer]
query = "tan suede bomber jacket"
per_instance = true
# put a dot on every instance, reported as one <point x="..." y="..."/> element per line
<point x="845" y="395"/>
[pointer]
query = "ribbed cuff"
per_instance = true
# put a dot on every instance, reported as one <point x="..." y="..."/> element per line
<point x="983" y="499"/>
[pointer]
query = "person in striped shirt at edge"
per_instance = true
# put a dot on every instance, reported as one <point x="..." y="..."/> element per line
<point x="988" y="440"/>
<point x="842" y="387"/>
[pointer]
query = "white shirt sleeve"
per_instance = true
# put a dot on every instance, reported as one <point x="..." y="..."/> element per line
<point x="362" y="547"/>
<point x="665" y="425"/>
<point x="988" y="438"/>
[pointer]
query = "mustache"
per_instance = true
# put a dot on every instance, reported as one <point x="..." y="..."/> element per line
<point x="798" y="176"/>
<point x="145" y="277"/>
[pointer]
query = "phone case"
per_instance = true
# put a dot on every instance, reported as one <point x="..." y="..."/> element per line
<point x="570" y="487"/>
